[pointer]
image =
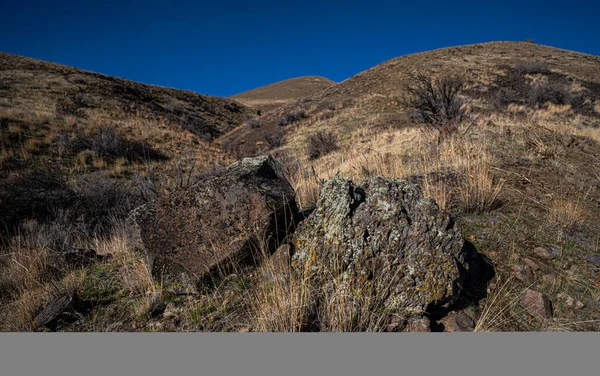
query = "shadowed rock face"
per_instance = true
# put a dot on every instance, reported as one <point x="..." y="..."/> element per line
<point x="192" y="232"/>
<point x="385" y="238"/>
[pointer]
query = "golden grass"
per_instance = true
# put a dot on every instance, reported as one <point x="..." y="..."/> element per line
<point x="566" y="213"/>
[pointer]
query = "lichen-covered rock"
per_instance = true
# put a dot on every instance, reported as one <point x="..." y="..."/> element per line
<point x="384" y="239"/>
<point x="191" y="232"/>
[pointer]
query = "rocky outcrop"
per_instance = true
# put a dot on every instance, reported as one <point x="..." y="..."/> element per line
<point x="381" y="238"/>
<point x="192" y="232"/>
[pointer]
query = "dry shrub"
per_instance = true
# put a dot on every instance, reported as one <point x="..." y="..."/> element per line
<point x="321" y="143"/>
<point x="533" y="67"/>
<point x="291" y="118"/>
<point x="435" y="102"/>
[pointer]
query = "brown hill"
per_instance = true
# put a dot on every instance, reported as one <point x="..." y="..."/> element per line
<point x="282" y="92"/>
<point x="521" y="173"/>
<point x="372" y="95"/>
<point x="53" y="91"/>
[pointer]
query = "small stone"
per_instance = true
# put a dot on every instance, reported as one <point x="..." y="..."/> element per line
<point x="170" y="311"/>
<point x="531" y="264"/>
<point x="579" y="304"/>
<point x="549" y="279"/>
<point x="537" y="304"/>
<point x="594" y="259"/>
<point x="420" y="324"/>
<point x="547" y="253"/>
<point x="524" y="273"/>
<point x="458" y="322"/>
<point x="397" y="324"/>
<point x="244" y="330"/>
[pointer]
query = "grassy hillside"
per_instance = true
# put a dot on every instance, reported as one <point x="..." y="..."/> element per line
<point x="276" y="94"/>
<point x="519" y="170"/>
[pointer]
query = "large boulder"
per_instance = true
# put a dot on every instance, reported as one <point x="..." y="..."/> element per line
<point x="223" y="220"/>
<point x="384" y="240"/>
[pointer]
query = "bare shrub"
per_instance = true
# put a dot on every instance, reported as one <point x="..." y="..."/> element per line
<point x="533" y="67"/>
<point x="555" y="93"/>
<point x="505" y="96"/>
<point x="253" y="123"/>
<point x="435" y="102"/>
<point x="292" y="117"/>
<point x="274" y="140"/>
<point x="106" y="143"/>
<point x="321" y="143"/>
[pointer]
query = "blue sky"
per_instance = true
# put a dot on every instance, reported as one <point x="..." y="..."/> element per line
<point x="225" y="47"/>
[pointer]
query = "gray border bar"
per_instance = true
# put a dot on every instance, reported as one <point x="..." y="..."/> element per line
<point x="299" y="354"/>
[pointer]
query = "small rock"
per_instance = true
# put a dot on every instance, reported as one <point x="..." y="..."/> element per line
<point x="579" y="304"/>
<point x="531" y="264"/>
<point x="547" y="253"/>
<point x="170" y="311"/>
<point x="594" y="259"/>
<point x="458" y="322"/>
<point x="420" y="324"/>
<point x="524" y="273"/>
<point x="398" y="323"/>
<point x="549" y="279"/>
<point x="537" y="304"/>
<point x="244" y="330"/>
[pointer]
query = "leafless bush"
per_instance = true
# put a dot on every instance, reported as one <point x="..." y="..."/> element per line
<point x="274" y="140"/>
<point x="91" y="203"/>
<point x="435" y="102"/>
<point x="253" y="123"/>
<point x="505" y="96"/>
<point x="531" y="68"/>
<point x="292" y="117"/>
<point x="321" y="143"/>
<point x="106" y="143"/>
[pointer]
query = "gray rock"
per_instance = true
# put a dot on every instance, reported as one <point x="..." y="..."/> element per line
<point x="547" y="252"/>
<point x="191" y="233"/>
<point x="382" y="238"/>
<point x="594" y="259"/>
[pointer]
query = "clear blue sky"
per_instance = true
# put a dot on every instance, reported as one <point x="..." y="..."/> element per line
<point x="225" y="47"/>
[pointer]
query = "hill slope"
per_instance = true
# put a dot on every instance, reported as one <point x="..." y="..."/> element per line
<point x="270" y="96"/>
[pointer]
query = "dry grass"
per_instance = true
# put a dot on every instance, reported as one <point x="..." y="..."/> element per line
<point x="566" y="213"/>
<point x="33" y="271"/>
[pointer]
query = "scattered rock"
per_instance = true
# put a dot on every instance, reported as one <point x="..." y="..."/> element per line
<point x="549" y="278"/>
<point x="523" y="273"/>
<point x="171" y="311"/>
<point x="594" y="259"/>
<point x="458" y="322"/>
<point x="244" y="330"/>
<point x="579" y="304"/>
<point x="548" y="253"/>
<point x="397" y="324"/>
<point x="192" y="232"/>
<point x="60" y="310"/>
<point x="418" y="324"/>
<point x="537" y="304"/>
<point x="385" y="238"/>
<point x="531" y="264"/>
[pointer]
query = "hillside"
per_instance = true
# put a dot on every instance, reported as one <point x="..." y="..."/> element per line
<point x="520" y="174"/>
<point x="511" y="157"/>
<point x="273" y="95"/>
<point x="51" y="91"/>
